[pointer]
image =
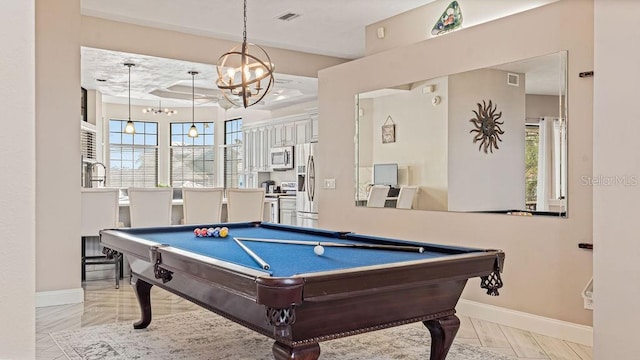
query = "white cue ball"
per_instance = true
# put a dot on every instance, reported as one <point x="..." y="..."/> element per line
<point x="318" y="250"/>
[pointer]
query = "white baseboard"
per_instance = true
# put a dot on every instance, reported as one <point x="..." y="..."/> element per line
<point x="564" y="330"/>
<point x="59" y="297"/>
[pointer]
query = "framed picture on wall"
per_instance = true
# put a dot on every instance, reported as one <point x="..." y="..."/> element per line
<point x="388" y="131"/>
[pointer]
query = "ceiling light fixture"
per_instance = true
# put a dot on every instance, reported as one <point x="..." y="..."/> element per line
<point x="129" y="128"/>
<point x="159" y="110"/>
<point x="193" y="132"/>
<point x="241" y="74"/>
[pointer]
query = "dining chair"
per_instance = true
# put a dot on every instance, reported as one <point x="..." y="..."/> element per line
<point x="377" y="196"/>
<point x="202" y="205"/>
<point x="150" y="206"/>
<point x="406" y="196"/>
<point x="245" y="204"/>
<point x="99" y="210"/>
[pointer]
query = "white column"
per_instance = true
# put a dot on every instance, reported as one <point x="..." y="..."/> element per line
<point x="17" y="146"/>
<point x="616" y="166"/>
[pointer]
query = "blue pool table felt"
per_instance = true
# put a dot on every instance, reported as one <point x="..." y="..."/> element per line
<point x="284" y="259"/>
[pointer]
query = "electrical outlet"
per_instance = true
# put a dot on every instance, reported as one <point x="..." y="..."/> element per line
<point x="329" y="183"/>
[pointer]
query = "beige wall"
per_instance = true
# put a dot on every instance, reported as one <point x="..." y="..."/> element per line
<point x="545" y="271"/>
<point x="111" y="35"/>
<point x="57" y="146"/>
<point x="615" y="205"/>
<point x="17" y="146"/>
<point x="415" y="25"/>
<point x="542" y="105"/>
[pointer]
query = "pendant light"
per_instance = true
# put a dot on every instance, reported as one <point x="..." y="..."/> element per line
<point x="193" y="132"/>
<point x="129" y="128"/>
<point x="245" y="77"/>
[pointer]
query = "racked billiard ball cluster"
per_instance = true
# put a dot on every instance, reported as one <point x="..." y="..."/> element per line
<point x="211" y="232"/>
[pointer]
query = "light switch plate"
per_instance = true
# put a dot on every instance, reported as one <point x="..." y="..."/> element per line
<point x="329" y="183"/>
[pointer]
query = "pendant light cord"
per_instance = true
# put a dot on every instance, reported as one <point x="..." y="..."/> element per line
<point x="193" y="98"/>
<point x="129" y="66"/>
<point x="244" y="32"/>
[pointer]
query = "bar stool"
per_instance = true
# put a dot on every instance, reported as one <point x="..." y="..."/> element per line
<point x="245" y="204"/>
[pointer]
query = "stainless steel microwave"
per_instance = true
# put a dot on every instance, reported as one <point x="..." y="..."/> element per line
<point x="281" y="158"/>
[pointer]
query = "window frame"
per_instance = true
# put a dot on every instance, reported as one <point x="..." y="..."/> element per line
<point x="125" y="146"/>
<point x="206" y="130"/>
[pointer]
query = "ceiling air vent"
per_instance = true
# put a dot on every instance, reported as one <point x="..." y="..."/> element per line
<point x="513" y="79"/>
<point x="288" y="16"/>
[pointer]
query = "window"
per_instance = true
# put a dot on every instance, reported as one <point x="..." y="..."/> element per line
<point x="233" y="177"/>
<point x="133" y="158"/>
<point x="531" y="166"/>
<point x="192" y="159"/>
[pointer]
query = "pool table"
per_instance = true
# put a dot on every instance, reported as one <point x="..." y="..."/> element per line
<point x="304" y="298"/>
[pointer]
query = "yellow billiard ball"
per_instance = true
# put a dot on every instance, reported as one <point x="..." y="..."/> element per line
<point x="224" y="232"/>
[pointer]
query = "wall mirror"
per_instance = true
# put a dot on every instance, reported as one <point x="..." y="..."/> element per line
<point x="488" y="140"/>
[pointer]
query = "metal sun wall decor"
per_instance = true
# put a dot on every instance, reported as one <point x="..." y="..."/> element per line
<point x="487" y="126"/>
<point x="450" y="19"/>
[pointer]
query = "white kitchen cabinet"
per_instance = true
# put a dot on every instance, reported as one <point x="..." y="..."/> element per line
<point x="289" y="134"/>
<point x="260" y="137"/>
<point x="313" y="127"/>
<point x="246" y="150"/>
<point x="302" y="132"/>
<point x="288" y="210"/>
<point x="263" y="149"/>
<point x="277" y="135"/>
<point x="255" y="150"/>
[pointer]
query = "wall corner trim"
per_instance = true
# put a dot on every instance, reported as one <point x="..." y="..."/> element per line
<point x="564" y="330"/>
<point x="59" y="297"/>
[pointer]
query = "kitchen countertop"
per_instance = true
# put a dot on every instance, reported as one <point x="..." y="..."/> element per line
<point x="124" y="201"/>
<point x="278" y="195"/>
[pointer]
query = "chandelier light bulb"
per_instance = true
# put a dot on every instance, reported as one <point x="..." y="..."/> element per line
<point x="129" y="128"/>
<point x="193" y="132"/>
<point x="243" y="60"/>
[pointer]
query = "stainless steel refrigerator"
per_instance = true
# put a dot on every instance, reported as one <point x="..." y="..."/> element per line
<point x="306" y="201"/>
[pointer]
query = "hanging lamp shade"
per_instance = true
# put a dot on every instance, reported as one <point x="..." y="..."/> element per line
<point x="245" y="73"/>
<point x="193" y="131"/>
<point x="129" y="128"/>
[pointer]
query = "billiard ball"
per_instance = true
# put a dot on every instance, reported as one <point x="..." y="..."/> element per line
<point x="318" y="250"/>
<point x="196" y="231"/>
<point x="210" y="231"/>
<point x="224" y="231"/>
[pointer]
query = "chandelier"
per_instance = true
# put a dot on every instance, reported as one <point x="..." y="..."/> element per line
<point x="159" y="110"/>
<point x="245" y="73"/>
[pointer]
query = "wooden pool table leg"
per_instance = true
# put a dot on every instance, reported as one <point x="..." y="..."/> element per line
<point x="442" y="331"/>
<point x="143" y="293"/>
<point x="284" y="352"/>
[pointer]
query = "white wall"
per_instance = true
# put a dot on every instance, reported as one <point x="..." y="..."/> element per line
<point x="17" y="145"/>
<point x="617" y="169"/>
<point x="480" y="181"/>
<point x="545" y="271"/>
